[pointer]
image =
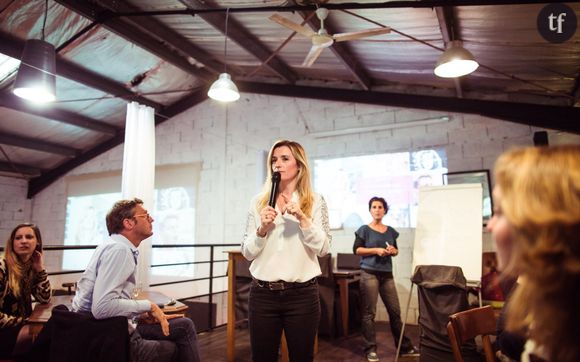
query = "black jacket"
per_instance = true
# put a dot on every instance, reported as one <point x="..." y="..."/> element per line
<point x="70" y="336"/>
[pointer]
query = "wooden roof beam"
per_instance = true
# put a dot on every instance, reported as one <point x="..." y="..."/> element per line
<point x="41" y="182"/>
<point x="18" y="169"/>
<point x="13" y="102"/>
<point x="35" y="144"/>
<point x="135" y="35"/>
<point x="245" y="39"/>
<point x="13" y="47"/>
<point x="167" y="35"/>
<point x="537" y="115"/>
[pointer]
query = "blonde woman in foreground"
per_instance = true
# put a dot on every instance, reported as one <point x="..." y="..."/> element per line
<point x="536" y="227"/>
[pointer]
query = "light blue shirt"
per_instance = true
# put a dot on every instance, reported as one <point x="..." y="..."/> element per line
<point x="106" y="286"/>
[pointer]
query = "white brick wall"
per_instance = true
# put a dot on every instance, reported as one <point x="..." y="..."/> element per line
<point x="14" y="207"/>
<point x="227" y="151"/>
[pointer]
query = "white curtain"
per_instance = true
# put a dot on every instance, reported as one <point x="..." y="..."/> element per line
<point x="139" y="171"/>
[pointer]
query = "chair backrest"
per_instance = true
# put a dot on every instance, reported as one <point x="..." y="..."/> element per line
<point x="441" y="292"/>
<point x="468" y="324"/>
<point x="325" y="263"/>
<point x="69" y="336"/>
<point x="347" y="261"/>
<point x="243" y="268"/>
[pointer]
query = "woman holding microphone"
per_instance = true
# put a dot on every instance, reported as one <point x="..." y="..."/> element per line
<point x="283" y="241"/>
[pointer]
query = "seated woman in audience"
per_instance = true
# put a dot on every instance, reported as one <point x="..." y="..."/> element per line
<point x="22" y="276"/>
<point x="537" y="232"/>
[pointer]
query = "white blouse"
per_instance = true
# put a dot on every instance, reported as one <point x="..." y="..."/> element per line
<point x="288" y="252"/>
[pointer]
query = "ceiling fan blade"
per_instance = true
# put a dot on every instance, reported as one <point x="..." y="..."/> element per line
<point x="313" y="54"/>
<point x="292" y="25"/>
<point x="361" y="34"/>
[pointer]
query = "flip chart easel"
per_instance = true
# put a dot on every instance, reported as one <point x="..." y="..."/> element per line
<point x="449" y="232"/>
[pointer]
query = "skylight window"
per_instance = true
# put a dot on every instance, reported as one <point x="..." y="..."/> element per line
<point x="8" y="67"/>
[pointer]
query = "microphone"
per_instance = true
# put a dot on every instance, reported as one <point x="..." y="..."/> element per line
<point x="274" y="190"/>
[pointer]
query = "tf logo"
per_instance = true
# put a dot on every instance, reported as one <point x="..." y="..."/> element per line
<point x="556" y="23"/>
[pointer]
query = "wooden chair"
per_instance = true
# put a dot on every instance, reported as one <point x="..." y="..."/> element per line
<point x="465" y="325"/>
<point x="347" y="261"/>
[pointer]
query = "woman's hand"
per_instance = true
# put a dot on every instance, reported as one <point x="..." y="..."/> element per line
<point x="294" y="209"/>
<point x="381" y="252"/>
<point x="391" y="250"/>
<point x="267" y="216"/>
<point x="37" y="261"/>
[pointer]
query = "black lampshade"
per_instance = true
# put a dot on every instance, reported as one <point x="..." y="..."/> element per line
<point x="36" y="80"/>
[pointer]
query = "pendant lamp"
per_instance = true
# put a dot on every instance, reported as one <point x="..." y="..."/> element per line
<point x="36" y="80"/>
<point x="224" y="89"/>
<point x="456" y="61"/>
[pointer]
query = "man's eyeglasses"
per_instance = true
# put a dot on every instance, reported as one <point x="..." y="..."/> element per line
<point x="145" y="215"/>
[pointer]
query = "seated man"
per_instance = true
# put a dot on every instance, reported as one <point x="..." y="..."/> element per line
<point x="105" y="290"/>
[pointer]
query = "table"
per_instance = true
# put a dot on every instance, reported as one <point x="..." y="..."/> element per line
<point x="42" y="312"/>
<point x="233" y="256"/>
<point x="343" y="278"/>
<point x="160" y="298"/>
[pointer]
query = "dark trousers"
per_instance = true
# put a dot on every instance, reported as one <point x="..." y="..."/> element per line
<point x="371" y="286"/>
<point x="295" y="311"/>
<point x="149" y="344"/>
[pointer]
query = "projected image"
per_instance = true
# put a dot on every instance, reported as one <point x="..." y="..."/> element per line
<point x="174" y="224"/>
<point x="174" y="216"/>
<point x="85" y="225"/>
<point x="348" y="183"/>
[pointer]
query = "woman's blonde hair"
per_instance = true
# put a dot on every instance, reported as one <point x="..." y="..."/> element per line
<point x="540" y="198"/>
<point x="303" y="185"/>
<point x="20" y="273"/>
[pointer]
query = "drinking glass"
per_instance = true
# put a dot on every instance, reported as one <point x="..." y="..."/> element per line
<point x="136" y="291"/>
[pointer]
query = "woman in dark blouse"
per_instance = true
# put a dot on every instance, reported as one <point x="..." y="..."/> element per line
<point x="22" y="276"/>
<point x="377" y="244"/>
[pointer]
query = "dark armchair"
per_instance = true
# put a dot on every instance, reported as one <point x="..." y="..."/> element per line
<point x="70" y="336"/>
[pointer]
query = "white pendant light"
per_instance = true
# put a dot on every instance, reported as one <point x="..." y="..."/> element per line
<point x="224" y="89"/>
<point x="456" y="61"/>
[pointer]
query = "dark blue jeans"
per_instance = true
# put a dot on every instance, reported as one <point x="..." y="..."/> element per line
<point x="153" y="345"/>
<point x="296" y="311"/>
<point x="371" y="286"/>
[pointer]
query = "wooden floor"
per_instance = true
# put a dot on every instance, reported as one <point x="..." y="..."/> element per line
<point x="212" y="345"/>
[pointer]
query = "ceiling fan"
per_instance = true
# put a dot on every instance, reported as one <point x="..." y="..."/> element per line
<point x="321" y="39"/>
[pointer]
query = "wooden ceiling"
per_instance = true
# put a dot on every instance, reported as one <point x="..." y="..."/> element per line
<point x="166" y="53"/>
